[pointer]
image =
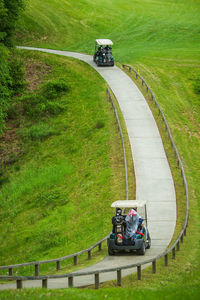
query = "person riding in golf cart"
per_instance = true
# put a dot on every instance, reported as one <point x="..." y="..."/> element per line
<point x="129" y="233"/>
<point x="103" y="53"/>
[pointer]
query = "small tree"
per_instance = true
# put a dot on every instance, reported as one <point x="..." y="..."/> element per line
<point x="11" y="72"/>
<point x="9" y="14"/>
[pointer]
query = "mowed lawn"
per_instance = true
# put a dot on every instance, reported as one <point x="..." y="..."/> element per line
<point x="161" y="40"/>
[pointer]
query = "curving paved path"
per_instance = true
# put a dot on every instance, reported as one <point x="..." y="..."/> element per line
<point x="154" y="182"/>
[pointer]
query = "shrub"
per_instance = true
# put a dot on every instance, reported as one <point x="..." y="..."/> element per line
<point x="17" y="73"/>
<point x="12" y="81"/>
<point x="55" y="88"/>
<point x="33" y="105"/>
<point x="46" y="100"/>
<point x="5" y="82"/>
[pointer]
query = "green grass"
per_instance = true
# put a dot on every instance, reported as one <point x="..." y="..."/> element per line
<point x="190" y="292"/>
<point x="53" y="203"/>
<point x="137" y="28"/>
<point x="160" y="38"/>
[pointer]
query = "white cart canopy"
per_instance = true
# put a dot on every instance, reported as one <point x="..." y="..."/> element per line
<point x="104" y="42"/>
<point x="128" y="203"/>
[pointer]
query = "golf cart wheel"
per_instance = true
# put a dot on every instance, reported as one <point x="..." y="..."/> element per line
<point x="110" y="251"/>
<point x="142" y="250"/>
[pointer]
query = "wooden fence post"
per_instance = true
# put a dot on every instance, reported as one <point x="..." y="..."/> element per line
<point x="75" y="260"/>
<point x="70" y="281"/>
<point x="119" y="277"/>
<point x="89" y="254"/>
<point x="100" y="247"/>
<point x="44" y="283"/>
<point x="139" y="272"/>
<point x="96" y="280"/>
<point x="37" y="270"/>
<point x="178" y="246"/>
<point x="182" y="238"/>
<point x="19" y="284"/>
<point x="10" y="271"/>
<point x="166" y="259"/>
<point x="154" y="267"/>
<point x="173" y="253"/>
<point x="58" y="265"/>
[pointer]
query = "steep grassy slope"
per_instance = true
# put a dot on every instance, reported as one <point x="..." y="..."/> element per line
<point x="136" y="27"/>
<point x="52" y="201"/>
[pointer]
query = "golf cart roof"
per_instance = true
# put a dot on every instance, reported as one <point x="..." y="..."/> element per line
<point x="128" y="203"/>
<point x="104" y="42"/>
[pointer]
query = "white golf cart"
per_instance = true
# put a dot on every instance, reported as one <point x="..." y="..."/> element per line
<point x="129" y="231"/>
<point x="103" y="53"/>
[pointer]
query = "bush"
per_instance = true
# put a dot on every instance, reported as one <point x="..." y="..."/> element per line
<point x="10" y="11"/>
<point x="12" y="81"/>
<point x="17" y="73"/>
<point x="55" y="88"/>
<point x="46" y="100"/>
<point x="5" y="82"/>
<point x="36" y="106"/>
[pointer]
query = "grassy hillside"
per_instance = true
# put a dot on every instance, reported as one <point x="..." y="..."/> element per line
<point x="62" y="146"/>
<point x="137" y="27"/>
<point x="161" y="39"/>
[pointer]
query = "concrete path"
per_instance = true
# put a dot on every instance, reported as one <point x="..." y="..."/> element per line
<point x="154" y="182"/>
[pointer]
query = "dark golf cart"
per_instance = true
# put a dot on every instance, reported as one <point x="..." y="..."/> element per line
<point x="103" y="53"/>
<point x="129" y="231"/>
